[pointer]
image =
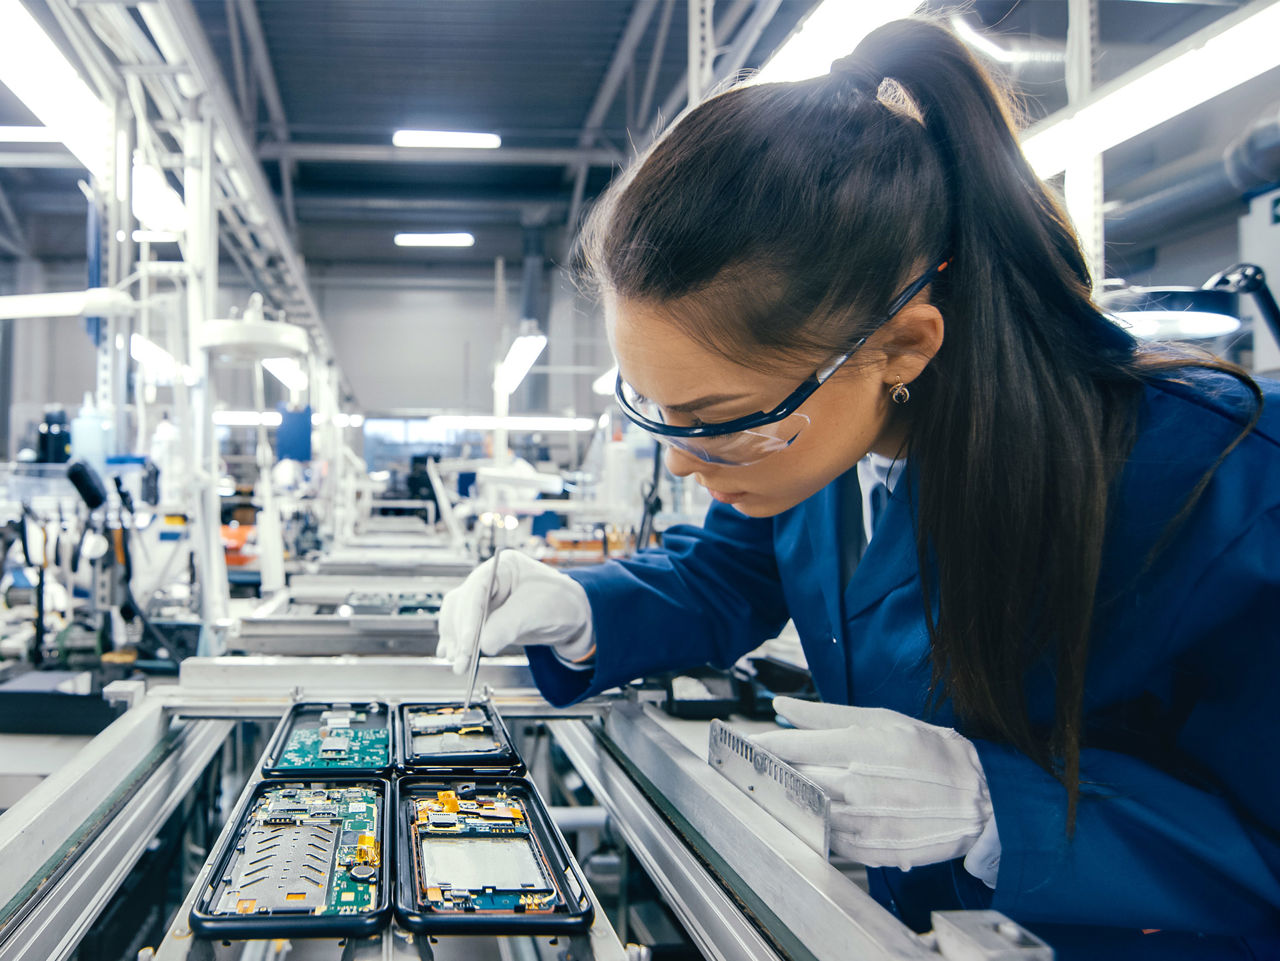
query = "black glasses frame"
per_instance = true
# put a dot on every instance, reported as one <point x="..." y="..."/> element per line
<point x="793" y="400"/>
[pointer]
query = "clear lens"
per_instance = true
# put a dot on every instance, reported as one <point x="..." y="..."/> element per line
<point x="743" y="447"/>
<point x="739" y="448"/>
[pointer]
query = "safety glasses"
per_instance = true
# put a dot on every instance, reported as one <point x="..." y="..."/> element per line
<point x="748" y="440"/>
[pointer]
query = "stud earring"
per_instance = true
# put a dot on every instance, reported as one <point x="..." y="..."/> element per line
<point x="899" y="393"/>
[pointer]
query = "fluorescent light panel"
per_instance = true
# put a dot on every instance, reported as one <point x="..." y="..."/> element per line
<point x="288" y="371"/>
<point x="446" y="139"/>
<point x="604" y="384"/>
<point x="1232" y="57"/>
<point x="1178" y="324"/>
<point x="33" y="67"/>
<point x="435" y="240"/>
<point x="27" y="135"/>
<point x="830" y="32"/>
<point x="515" y="366"/>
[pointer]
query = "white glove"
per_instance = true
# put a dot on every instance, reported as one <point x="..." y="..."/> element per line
<point x="903" y="793"/>
<point x="531" y="603"/>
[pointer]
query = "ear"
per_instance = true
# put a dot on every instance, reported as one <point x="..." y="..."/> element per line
<point x="910" y="341"/>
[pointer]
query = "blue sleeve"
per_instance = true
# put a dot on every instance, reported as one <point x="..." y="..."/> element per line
<point x="1192" y="849"/>
<point x="709" y="595"/>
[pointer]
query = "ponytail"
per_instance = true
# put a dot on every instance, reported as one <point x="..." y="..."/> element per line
<point x="778" y="219"/>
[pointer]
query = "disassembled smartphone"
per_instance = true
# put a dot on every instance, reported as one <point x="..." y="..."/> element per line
<point x="318" y="740"/>
<point x="307" y="859"/>
<point x="481" y="856"/>
<point x="443" y="738"/>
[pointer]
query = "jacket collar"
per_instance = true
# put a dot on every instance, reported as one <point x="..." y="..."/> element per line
<point x="889" y="561"/>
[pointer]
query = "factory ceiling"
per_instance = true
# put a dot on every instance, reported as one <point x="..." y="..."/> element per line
<point x="569" y="85"/>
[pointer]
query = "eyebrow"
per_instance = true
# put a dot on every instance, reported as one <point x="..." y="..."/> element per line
<point x="710" y="400"/>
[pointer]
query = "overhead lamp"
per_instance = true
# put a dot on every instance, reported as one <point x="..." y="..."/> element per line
<point x="1193" y="313"/>
<point x="156" y="204"/>
<point x="989" y="48"/>
<point x="32" y="66"/>
<point x="435" y="240"/>
<point x="28" y="134"/>
<point x="604" y="384"/>
<point x="288" y="371"/>
<point x="1238" y="48"/>
<point x="158" y="364"/>
<point x="524" y="350"/>
<point x="830" y="32"/>
<point x="94" y="302"/>
<point x="446" y="139"/>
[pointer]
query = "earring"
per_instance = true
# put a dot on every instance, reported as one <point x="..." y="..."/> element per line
<point x="899" y="393"/>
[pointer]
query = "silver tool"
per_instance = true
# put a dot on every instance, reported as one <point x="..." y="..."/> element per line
<point x="773" y="784"/>
<point x="473" y="669"/>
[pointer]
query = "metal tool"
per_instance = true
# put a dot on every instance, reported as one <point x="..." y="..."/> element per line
<point x="473" y="669"/>
<point x="773" y="784"/>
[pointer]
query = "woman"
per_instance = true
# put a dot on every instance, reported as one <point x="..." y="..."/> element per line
<point x="1040" y="561"/>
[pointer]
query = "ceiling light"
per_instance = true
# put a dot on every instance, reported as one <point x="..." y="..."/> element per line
<point x="830" y="32"/>
<point x="1238" y="48"/>
<point x="160" y="366"/>
<point x="288" y="371"/>
<point x="156" y="204"/>
<point x="39" y="75"/>
<point x="435" y="240"/>
<point x="1174" y="313"/>
<point x="446" y="138"/>
<point x="28" y="135"/>
<point x="604" y="384"/>
<point x="524" y="350"/>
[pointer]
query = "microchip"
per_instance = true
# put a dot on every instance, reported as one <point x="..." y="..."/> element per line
<point x="334" y="747"/>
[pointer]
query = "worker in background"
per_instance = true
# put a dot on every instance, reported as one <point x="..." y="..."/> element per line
<point x="1035" y="565"/>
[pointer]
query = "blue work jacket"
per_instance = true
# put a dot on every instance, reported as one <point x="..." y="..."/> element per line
<point x="1178" y="829"/>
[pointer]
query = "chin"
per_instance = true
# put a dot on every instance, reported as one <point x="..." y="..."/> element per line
<point x="758" y="506"/>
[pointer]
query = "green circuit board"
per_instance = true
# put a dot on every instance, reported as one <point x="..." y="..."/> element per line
<point x="305" y="852"/>
<point x="474" y="853"/>
<point x="338" y="739"/>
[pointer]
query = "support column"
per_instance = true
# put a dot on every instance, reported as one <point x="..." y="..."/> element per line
<point x="202" y="256"/>
<point x="1083" y="188"/>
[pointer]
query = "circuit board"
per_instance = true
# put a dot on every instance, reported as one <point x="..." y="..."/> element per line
<point x="451" y="730"/>
<point x="304" y="851"/>
<point x="475" y="853"/>
<point x="341" y="738"/>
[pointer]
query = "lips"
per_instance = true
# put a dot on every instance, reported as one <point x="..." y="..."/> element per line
<point x="726" y="497"/>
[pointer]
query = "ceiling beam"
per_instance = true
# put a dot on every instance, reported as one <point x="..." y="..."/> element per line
<point x="47" y="160"/>
<point x="624" y="55"/>
<point x="261" y="57"/>
<point x="387" y="153"/>
<point x="680" y="93"/>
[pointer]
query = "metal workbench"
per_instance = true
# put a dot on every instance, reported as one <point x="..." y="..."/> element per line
<point x="292" y="622"/>
<point x="742" y="886"/>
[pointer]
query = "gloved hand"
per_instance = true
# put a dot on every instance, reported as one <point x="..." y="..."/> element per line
<point x="903" y="793"/>
<point x="531" y="603"/>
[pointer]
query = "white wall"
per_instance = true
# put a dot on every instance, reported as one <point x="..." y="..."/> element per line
<point x="410" y="340"/>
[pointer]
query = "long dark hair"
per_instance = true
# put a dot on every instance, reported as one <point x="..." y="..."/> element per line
<point x="779" y="219"/>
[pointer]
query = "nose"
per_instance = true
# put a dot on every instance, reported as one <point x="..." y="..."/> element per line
<point x="681" y="463"/>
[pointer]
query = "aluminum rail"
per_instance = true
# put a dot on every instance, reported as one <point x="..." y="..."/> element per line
<point x="79" y="833"/>
<point x="713" y="834"/>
